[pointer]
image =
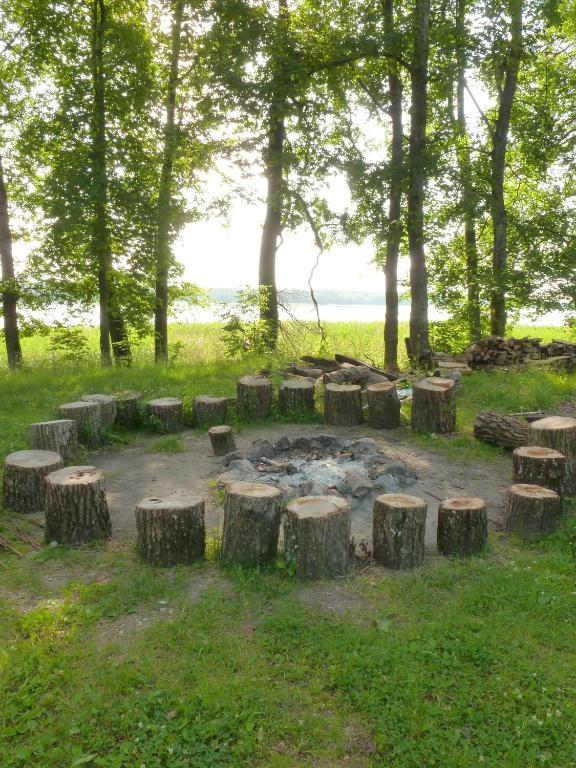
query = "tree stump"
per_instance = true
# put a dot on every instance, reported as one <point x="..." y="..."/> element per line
<point x="507" y="431"/>
<point x="129" y="409"/>
<point x="433" y="406"/>
<point x="107" y="407"/>
<point x="24" y="488"/>
<point x="343" y="405"/>
<point x="317" y="536"/>
<point x="76" y="506"/>
<point x="531" y="510"/>
<point x="222" y="440"/>
<point x="88" y="418"/>
<point x="296" y="396"/>
<point x="209" y="411"/>
<point x="462" y="526"/>
<point x="398" y="528"/>
<point x="537" y="465"/>
<point x="171" y="531"/>
<point x="60" y="436"/>
<point x="383" y="406"/>
<point x="558" y="432"/>
<point x="166" y="414"/>
<point x="254" y="397"/>
<point x="251" y="524"/>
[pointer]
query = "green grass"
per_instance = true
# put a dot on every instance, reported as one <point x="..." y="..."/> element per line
<point x="107" y="662"/>
<point x="170" y="444"/>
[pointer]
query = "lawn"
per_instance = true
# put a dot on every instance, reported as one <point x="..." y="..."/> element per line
<point x="107" y="662"/>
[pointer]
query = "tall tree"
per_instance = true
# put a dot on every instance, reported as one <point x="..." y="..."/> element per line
<point x="8" y="278"/>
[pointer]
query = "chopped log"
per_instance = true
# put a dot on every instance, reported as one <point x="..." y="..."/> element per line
<point x="129" y="409"/>
<point x="317" y="536"/>
<point x="221" y="440"/>
<point x="24" y="479"/>
<point x="254" y="397"/>
<point x="531" y="510"/>
<point x="88" y="418"/>
<point x="398" y="528"/>
<point x="390" y="375"/>
<point x="462" y="526"/>
<point x="107" y="407"/>
<point x="433" y="406"/>
<point x="558" y="432"/>
<point x="498" y="351"/>
<point x="324" y="363"/>
<point x="311" y="373"/>
<point x="537" y="465"/>
<point x="171" y="531"/>
<point x="343" y="405"/>
<point x="296" y="397"/>
<point x="76" y="506"/>
<point x="507" y="431"/>
<point x="60" y="436"/>
<point x="166" y="414"/>
<point x="383" y="406"/>
<point x="251" y="524"/>
<point x="208" y="411"/>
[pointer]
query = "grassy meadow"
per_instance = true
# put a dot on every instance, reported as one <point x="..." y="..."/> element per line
<point x="107" y="662"/>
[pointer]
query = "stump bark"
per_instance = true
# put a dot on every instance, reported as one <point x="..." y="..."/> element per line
<point x="166" y="414"/>
<point x="462" y="526"/>
<point x="537" y="465"/>
<point x="507" y="431"/>
<point x="558" y="432"/>
<point x="531" y="510"/>
<point x="171" y="531"/>
<point x="24" y="486"/>
<point x="129" y="409"/>
<point x="433" y="406"/>
<point x="317" y="536"/>
<point x="383" y="406"/>
<point x="254" y="397"/>
<point x="209" y="411"/>
<point x="60" y="436"/>
<point x="107" y="407"/>
<point x="296" y="396"/>
<point x="343" y="405"/>
<point x="398" y="528"/>
<point x="88" y="418"/>
<point x="251" y="524"/>
<point x="76" y="506"/>
<point x="221" y="440"/>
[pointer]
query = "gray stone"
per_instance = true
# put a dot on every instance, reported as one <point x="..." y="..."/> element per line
<point x="386" y="483"/>
<point x="330" y="443"/>
<point x="260" y="448"/>
<point x="358" y="483"/>
<point x="404" y="475"/>
<point x="283" y="444"/>
<point x="230" y="457"/>
<point x="365" y="446"/>
<point x="242" y="465"/>
<point x="301" y="444"/>
<point x="314" y="488"/>
<point x="231" y="476"/>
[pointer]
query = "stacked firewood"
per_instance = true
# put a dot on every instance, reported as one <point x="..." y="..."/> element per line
<point x="340" y="370"/>
<point x="558" y="347"/>
<point x="498" y="351"/>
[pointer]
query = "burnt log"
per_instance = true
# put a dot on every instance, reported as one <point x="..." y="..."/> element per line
<point x="254" y="397"/>
<point x="60" y="436"/>
<point x="171" y="531"/>
<point x="507" y="431"/>
<point x="251" y="524"/>
<point x="296" y="397"/>
<point x="383" y="406"/>
<point x="433" y="406"/>
<point x="166" y="414"/>
<point x="221" y="440"/>
<point x="531" y="510"/>
<point x="25" y="472"/>
<point x="538" y="465"/>
<point x="462" y="526"/>
<point x="398" y="529"/>
<point x="343" y="405"/>
<point x="558" y="432"/>
<point x="76" y="506"/>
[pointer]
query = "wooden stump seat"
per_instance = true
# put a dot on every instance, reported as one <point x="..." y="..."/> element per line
<point x="343" y="405"/>
<point x="76" y="506"/>
<point x="171" y="531"/>
<point x="88" y="418"/>
<point x="251" y="524"/>
<point x="462" y="526"/>
<point x="383" y="405"/>
<point x="296" y="396"/>
<point x="254" y="397"/>
<point x="538" y="465"/>
<point x="107" y="408"/>
<point x="433" y="406"/>
<point x="221" y="440"/>
<point x="398" y="529"/>
<point x="24" y="488"/>
<point x="208" y="411"/>
<point x="531" y="510"/>
<point x="166" y="414"/>
<point x="558" y="432"/>
<point x="59" y="436"/>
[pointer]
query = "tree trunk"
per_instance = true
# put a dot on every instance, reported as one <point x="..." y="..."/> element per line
<point x="462" y="526"/>
<point x="88" y="418"/>
<point x="221" y="440"/>
<point x="531" y="511"/>
<point x="343" y="405"/>
<point x="164" y="212"/>
<point x="166" y="414"/>
<point x="317" y="536"/>
<point x="296" y="397"/>
<point x="121" y="348"/>
<point x="417" y="174"/>
<point x="398" y="530"/>
<point x="558" y="432"/>
<point x="394" y="231"/>
<point x="60" y="436"/>
<point x="499" y="133"/>
<point x="383" y="406"/>
<point x="76" y="506"/>
<point x="107" y="408"/>
<point x="24" y="479"/>
<point x="251" y="524"/>
<point x="208" y="411"/>
<point x="8" y="279"/>
<point x="537" y="465"/>
<point x="507" y="431"/>
<point x="433" y="406"/>
<point x="254" y="397"/>
<point x="171" y="531"/>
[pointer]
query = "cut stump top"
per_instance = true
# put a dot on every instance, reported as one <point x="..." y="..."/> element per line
<point x="171" y="504"/>
<point x="61" y="422"/>
<point x="344" y="387"/>
<point x="255" y="381"/>
<point x="165" y="402"/>
<point x="554" y="423"/>
<point x="297" y="384"/>
<point x="538" y="452"/>
<point x="435" y="384"/>
<point x="33" y="459"/>
<point x="381" y="386"/>
<point x="463" y="502"/>
<point x="84" y="475"/>
<point x="532" y="491"/>
<point x="219" y="430"/>
<point x="99" y="398"/>
<point x="79" y="405"/>
<point x="253" y="490"/>
<point x="400" y="500"/>
<point x="308" y="507"/>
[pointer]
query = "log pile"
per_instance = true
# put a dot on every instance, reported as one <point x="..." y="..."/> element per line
<point x="343" y="370"/>
<point x="497" y="351"/>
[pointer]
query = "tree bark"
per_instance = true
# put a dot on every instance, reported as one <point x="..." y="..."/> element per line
<point x="254" y="397"/>
<point x="107" y="408"/>
<point x="251" y="524"/>
<point x="507" y="431"/>
<point x="433" y="406"/>
<point x="536" y="465"/>
<point x="558" y="432"/>
<point x="88" y="418"/>
<point x="394" y="230"/>
<point x="8" y="278"/>
<point x="417" y="174"/>
<point x="171" y="531"/>
<point x="317" y="536"/>
<point x="296" y="397"/>
<point x="166" y="414"/>
<point x="24" y="479"/>
<point x="164" y="212"/>
<point x="343" y="405"/>
<point x="209" y="411"/>
<point x="221" y="440"/>
<point x="398" y="530"/>
<point x="76" y="506"/>
<point x="60" y="436"/>
<point x="506" y="85"/>
<point x="462" y="526"/>
<point x="531" y="511"/>
<point x="121" y="348"/>
<point x="383" y="406"/>
<point x="129" y="409"/>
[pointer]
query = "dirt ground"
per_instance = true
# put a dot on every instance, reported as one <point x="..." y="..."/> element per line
<point x="134" y="472"/>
